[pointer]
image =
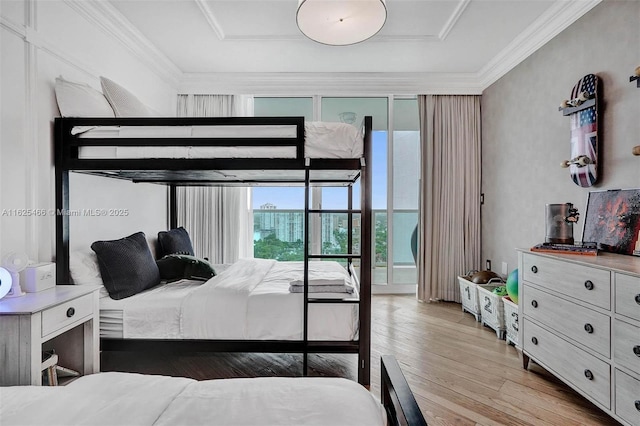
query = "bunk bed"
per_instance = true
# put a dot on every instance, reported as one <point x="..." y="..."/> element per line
<point x="241" y="151"/>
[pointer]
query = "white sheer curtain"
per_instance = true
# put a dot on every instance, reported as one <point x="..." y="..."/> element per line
<point x="449" y="225"/>
<point x="218" y="219"/>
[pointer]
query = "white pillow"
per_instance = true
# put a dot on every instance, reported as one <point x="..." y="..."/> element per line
<point x="81" y="100"/>
<point x="84" y="269"/>
<point x="123" y="102"/>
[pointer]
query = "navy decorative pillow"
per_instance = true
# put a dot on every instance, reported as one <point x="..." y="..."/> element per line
<point x="126" y="265"/>
<point x="174" y="241"/>
<point x="178" y="266"/>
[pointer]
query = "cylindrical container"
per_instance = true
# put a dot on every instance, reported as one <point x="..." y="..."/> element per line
<point x="558" y="229"/>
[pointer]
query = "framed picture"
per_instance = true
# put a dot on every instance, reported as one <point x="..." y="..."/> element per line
<point x="612" y="220"/>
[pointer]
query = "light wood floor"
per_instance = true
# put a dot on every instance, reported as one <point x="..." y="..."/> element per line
<point x="459" y="371"/>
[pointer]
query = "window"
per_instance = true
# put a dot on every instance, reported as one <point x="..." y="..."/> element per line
<point x="405" y="188"/>
<point x="279" y="211"/>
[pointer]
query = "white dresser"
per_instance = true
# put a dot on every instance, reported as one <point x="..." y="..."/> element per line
<point x="63" y="318"/>
<point x="580" y="320"/>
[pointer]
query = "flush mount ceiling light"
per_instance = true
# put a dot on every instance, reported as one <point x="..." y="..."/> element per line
<point x="340" y="22"/>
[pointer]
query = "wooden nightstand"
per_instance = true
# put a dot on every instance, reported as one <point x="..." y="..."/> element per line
<point x="64" y="318"/>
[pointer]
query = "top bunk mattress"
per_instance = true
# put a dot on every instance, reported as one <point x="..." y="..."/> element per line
<point x="322" y="140"/>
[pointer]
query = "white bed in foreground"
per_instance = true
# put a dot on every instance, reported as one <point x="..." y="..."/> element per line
<point x="136" y="399"/>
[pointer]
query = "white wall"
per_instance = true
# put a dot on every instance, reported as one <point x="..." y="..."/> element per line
<point x="525" y="137"/>
<point x="40" y="40"/>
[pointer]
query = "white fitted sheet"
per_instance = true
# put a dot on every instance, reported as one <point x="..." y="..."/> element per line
<point x="231" y="306"/>
<point x="322" y="140"/>
<point x="115" y="398"/>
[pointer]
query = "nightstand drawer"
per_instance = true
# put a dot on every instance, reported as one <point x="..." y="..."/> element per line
<point x="585" y="326"/>
<point x="627" y="345"/>
<point x="628" y="398"/>
<point x="628" y="296"/>
<point x="66" y="313"/>
<point x="591" y="285"/>
<point x="579" y="368"/>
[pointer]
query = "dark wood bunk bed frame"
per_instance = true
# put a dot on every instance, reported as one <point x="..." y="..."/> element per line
<point x="174" y="172"/>
<point x="399" y="402"/>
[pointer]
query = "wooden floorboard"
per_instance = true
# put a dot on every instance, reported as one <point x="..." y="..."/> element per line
<point x="459" y="371"/>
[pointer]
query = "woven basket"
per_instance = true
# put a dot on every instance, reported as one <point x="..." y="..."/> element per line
<point x="511" y="320"/>
<point x="492" y="309"/>
<point x="469" y="297"/>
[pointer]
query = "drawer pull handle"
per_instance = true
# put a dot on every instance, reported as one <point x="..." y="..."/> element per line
<point x="534" y="340"/>
<point x="534" y="269"/>
<point x="636" y="350"/>
<point x="534" y="303"/>
<point x="588" y="285"/>
<point x="588" y="374"/>
<point x="70" y="312"/>
<point x="588" y="328"/>
<point x="638" y="299"/>
<point x="637" y="404"/>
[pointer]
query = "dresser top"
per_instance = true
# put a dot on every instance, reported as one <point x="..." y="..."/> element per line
<point x="31" y="303"/>
<point x="614" y="262"/>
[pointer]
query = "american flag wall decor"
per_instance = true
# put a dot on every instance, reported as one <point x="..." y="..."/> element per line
<point x="582" y="110"/>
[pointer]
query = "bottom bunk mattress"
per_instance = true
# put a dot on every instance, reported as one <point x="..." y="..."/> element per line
<point x="136" y="399"/>
<point x="253" y="299"/>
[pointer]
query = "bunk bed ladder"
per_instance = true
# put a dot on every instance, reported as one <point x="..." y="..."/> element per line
<point x="349" y="256"/>
<point x="364" y="298"/>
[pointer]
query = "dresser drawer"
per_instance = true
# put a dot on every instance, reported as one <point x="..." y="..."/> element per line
<point x="66" y="313"/>
<point x="584" y="371"/>
<point x="627" y="345"/>
<point x="628" y="296"/>
<point x="589" y="328"/>
<point x="581" y="282"/>
<point x="628" y="398"/>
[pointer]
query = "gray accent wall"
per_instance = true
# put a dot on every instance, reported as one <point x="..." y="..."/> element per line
<point x="525" y="137"/>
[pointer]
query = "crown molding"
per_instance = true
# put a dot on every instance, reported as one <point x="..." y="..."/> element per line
<point x="551" y="23"/>
<point x="109" y="19"/>
<point x="211" y="19"/>
<point x="330" y="83"/>
<point x="15" y="28"/>
<point x="453" y="19"/>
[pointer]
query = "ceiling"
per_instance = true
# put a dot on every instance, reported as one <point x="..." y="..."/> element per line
<point x="467" y="42"/>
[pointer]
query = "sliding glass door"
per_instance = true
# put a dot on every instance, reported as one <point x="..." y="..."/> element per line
<point x="278" y="212"/>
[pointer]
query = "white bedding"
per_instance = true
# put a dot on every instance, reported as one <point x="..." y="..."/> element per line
<point x="322" y="140"/>
<point x="250" y="300"/>
<point x="136" y="399"/>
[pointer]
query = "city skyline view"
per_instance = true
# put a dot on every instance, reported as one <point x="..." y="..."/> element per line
<point x="287" y="198"/>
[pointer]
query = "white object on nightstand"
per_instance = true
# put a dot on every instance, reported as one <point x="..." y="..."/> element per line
<point x="5" y="282"/>
<point x="14" y="263"/>
<point x="64" y="318"/>
<point x="38" y="277"/>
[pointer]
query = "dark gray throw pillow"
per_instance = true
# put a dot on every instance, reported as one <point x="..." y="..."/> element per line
<point x="174" y="241"/>
<point x="178" y="266"/>
<point x="126" y="265"/>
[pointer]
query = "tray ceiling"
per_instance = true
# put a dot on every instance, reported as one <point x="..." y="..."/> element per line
<point x="476" y="39"/>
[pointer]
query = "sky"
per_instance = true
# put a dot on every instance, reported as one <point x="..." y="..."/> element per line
<point x="332" y="198"/>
